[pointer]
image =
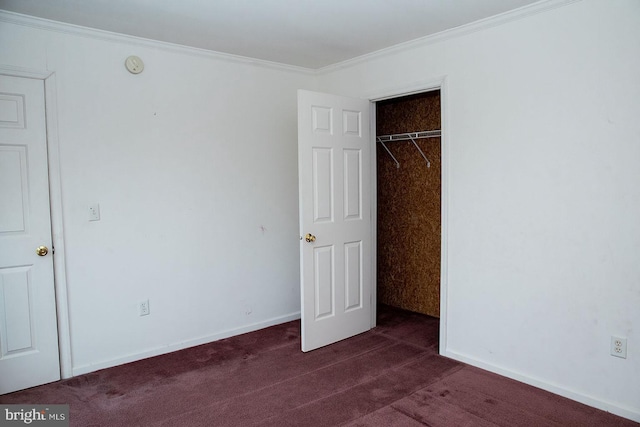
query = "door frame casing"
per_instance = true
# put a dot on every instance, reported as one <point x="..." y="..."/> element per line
<point x="440" y="84"/>
<point x="55" y="202"/>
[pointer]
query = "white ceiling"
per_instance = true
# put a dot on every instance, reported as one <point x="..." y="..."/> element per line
<point x="306" y="33"/>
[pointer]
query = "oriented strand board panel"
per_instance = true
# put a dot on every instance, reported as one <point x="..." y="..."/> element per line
<point x="409" y="206"/>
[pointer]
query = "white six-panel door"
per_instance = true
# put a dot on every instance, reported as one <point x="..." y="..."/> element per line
<point x="28" y="329"/>
<point x="334" y="150"/>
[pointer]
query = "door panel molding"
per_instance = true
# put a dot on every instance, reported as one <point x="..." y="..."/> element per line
<point x="55" y="200"/>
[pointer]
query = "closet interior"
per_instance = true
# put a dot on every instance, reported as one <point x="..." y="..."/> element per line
<point x="408" y="200"/>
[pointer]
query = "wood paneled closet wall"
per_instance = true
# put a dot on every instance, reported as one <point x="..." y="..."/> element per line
<point x="409" y="217"/>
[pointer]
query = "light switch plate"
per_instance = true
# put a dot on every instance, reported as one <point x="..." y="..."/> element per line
<point x="94" y="212"/>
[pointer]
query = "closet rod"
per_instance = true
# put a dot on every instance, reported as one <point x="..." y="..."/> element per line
<point x="410" y="136"/>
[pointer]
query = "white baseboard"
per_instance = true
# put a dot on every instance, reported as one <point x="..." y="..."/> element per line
<point x="625" y="412"/>
<point x="84" y="369"/>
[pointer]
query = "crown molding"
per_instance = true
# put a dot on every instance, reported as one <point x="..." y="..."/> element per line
<point x="463" y="30"/>
<point x="503" y="18"/>
<point x="77" y="30"/>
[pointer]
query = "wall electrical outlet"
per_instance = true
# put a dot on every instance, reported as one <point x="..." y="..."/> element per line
<point x="143" y="307"/>
<point x="619" y="347"/>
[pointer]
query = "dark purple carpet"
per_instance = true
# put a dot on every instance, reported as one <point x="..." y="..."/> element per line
<point x="390" y="376"/>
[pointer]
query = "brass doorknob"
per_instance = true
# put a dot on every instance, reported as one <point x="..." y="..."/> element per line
<point x="42" y="250"/>
<point x="310" y="238"/>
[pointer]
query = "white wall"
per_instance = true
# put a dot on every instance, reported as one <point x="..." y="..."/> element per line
<point x="194" y="164"/>
<point x="543" y="158"/>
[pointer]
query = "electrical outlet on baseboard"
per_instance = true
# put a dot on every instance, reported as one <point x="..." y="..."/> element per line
<point x="143" y="308"/>
<point x="619" y="347"/>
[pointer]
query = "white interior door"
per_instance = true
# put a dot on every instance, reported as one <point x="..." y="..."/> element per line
<point x="28" y="328"/>
<point x="334" y="150"/>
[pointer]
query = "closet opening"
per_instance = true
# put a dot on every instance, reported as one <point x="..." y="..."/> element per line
<point x="409" y="188"/>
